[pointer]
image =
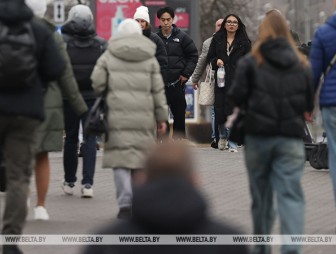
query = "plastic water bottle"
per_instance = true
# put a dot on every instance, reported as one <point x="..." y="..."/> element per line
<point x="221" y="77"/>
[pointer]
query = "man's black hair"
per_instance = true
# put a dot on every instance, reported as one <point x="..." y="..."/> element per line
<point x="167" y="9"/>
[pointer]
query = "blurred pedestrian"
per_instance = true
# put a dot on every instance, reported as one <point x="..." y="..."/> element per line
<point x="169" y="202"/>
<point x="228" y="45"/>
<point x="199" y="72"/>
<point x="2" y="174"/>
<point x="84" y="48"/>
<point x="274" y="86"/>
<point x="50" y="132"/>
<point x="130" y="74"/>
<point x="21" y="103"/>
<point x="323" y="50"/>
<point x="182" y="60"/>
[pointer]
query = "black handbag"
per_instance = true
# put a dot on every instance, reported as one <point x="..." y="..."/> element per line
<point x="237" y="132"/>
<point x="96" y="122"/>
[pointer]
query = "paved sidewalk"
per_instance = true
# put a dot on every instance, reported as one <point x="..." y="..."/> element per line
<point x="223" y="182"/>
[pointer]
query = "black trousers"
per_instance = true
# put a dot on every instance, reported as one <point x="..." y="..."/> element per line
<point x="177" y="104"/>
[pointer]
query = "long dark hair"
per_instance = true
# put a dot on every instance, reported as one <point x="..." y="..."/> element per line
<point x="240" y="35"/>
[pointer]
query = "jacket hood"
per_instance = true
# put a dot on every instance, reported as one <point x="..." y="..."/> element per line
<point x="15" y="11"/>
<point x="168" y="205"/>
<point x="332" y="21"/>
<point x="80" y="22"/>
<point x="279" y="53"/>
<point x="133" y="48"/>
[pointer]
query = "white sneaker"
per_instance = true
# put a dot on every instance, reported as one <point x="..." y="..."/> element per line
<point x="87" y="191"/>
<point x="233" y="150"/>
<point x="68" y="188"/>
<point x="40" y="213"/>
<point x="222" y="143"/>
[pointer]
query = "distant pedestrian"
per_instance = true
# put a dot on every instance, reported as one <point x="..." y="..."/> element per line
<point x="199" y="72"/>
<point x="182" y="60"/>
<point x="169" y="203"/>
<point x="228" y="45"/>
<point x="274" y="86"/>
<point x="21" y="103"/>
<point x="130" y="74"/>
<point x="142" y="16"/>
<point x="50" y="132"/>
<point x="84" y="48"/>
<point x="322" y="51"/>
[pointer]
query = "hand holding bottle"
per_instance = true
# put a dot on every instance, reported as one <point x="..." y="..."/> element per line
<point x="220" y="63"/>
<point x="221" y="77"/>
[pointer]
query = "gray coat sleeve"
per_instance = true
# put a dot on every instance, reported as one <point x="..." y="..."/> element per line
<point x="202" y="62"/>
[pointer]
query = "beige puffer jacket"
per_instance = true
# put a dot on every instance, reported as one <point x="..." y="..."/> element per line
<point x="135" y="99"/>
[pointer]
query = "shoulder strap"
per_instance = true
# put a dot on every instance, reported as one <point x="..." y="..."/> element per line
<point x="330" y="65"/>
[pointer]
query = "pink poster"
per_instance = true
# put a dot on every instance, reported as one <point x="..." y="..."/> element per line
<point x="109" y="14"/>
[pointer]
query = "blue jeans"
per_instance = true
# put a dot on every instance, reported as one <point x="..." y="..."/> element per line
<point x="70" y="153"/>
<point x="276" y="163"/>
<point x="329" y="123"/>
<point x="225" y="134"/>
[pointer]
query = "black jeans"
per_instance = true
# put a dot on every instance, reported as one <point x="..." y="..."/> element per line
<point x="70" y="156"/>
<point x="177" y="104"/>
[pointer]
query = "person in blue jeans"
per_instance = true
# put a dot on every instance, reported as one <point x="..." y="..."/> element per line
<point x="322" y="51"/>
<point x="70" y="155"/>
<point x="274" y="85"/>
<point x="84" y="48"/>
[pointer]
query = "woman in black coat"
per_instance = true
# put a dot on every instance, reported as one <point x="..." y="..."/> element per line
<point x="228" y="45"/>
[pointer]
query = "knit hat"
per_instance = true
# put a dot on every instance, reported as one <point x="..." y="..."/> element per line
<point x="142" y="13"/>
<point x="80" y="12"/>
<point x="39" y="7"/>
<point x="128" y="27"/>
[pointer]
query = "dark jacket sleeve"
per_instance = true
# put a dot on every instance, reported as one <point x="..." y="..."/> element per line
<point x="191" y="56"/>
<point x="51" y="63"/>
<point x="239" y="91"/>
<point x="310" y="90"/>
<point x="212" y="57"/>
<point x="317" y="59"/>
<point x="161" y="55"/>
<point x="103" y="43"/>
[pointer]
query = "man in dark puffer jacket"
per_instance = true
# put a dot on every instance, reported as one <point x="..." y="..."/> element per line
<point x="20" y="115"/>
<point x="182" y="60"/>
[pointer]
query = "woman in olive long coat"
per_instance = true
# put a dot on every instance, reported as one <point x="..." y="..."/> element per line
<point x="50" y="133"/>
